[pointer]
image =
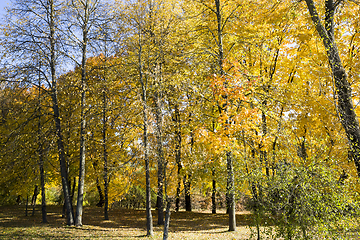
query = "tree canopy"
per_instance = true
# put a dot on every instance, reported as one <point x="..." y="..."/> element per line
<point x="164" y="100"/>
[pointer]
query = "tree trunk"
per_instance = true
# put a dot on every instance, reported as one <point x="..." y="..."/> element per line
<point x="81" y="183"/>
<point x="72" y="189"/>
<point x="72" y="192"/>
<point x="98" y="187"/>
<point x="167" y="219"/>
<point x="101" y="195"/>
<point x="56" y="115"/>
<point x="80" y="198"/>
<point x="106" y="199"/>
<point x="256" y="208"/>
<point x="213" y="194"/>
<point x="187" y="177"/>
<point x="26" y="205"/>
<point x="344" y="106"/>
<point x="84" y="18"/>
<point x="33" y="199"/>
<point x="43" y="196"/>
<point x="230" y="192"/>
<point x="177" y="200"/>
<point x="168" y="205"/>
<point x="149" y="221"/>
<point x="18" y="200"/>
<point x="105" y="155"/>
<point x="63" y="210"/>
<point x="187" y="185"/>
<point x="263" y="153"/>
<point x="160" y="156"/>
<point x="230" y="196"/>
<point x="178" y="155"/>
<point x="41" y="161"/>
<point x="63" y="165"/>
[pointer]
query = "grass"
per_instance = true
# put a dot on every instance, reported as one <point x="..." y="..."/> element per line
<point x="123" y="224"/>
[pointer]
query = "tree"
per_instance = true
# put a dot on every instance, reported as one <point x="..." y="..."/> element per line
<point x="21" y="166"/>
<point x="86" y="15"/>
<point x="138" y="20"/>
<point x="217" y="15"/>
<point x="41" y="154"/>
<point x="34" y="32"/>
<point x="345" y="105"/>
<point x="186" y="93"/>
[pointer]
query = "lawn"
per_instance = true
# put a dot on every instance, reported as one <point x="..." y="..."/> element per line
<point x="123" y="224"/>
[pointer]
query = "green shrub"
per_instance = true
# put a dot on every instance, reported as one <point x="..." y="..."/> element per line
<point x="303" y="202"/>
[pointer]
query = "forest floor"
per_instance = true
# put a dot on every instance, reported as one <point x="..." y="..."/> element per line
<point x="129" y="224"/>
<point x="123" y="224"/>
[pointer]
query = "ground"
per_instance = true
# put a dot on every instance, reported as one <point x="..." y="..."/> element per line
<point x="123" y="224"/>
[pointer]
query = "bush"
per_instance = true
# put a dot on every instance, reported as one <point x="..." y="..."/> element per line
<point x="135" y="198"/>
<point x="302" y="202"/>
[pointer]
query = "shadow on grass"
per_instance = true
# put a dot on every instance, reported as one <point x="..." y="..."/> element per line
<point x="179" y="221"/>
<point x="127" y="223"/>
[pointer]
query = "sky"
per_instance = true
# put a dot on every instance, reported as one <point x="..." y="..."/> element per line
<point x="3" y="3"/>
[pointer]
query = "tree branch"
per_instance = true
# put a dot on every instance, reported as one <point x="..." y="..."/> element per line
<point x="318" y="25"/>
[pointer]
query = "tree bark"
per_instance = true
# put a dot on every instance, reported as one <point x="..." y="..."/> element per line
<point x="105" y="156"/>
<point x="98" y="187"/>
<point x="178" y="155"/>
<point x="101" y="195"/>
<point x="187" y="177"/>
<point x="178" y="191"/>
<point x="56" y="114"/>
<point x="82" y="162"/>
<point x="63" y="215"/>
<point x="263" y="153"/>
<point x="168" y="205"/>
<point x="149" y="223"/>
<point x="230" y="191"/>
<point x="187" y="186"/>
<point x="167" y="219"/>
<point x="344" y="106"/>
<point x="26" y="204"/>
<point x="43" y="196"/>
<point x="160" y="156"/>
<point x="213" y="194"/>
<point x="81" y="184"/>
<point x="143" y="83"/>
<point x="41" y="160"/>
<point x="63" y="165"/>
<point x="72" y="189"/>
<point x="33" y="199"/>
